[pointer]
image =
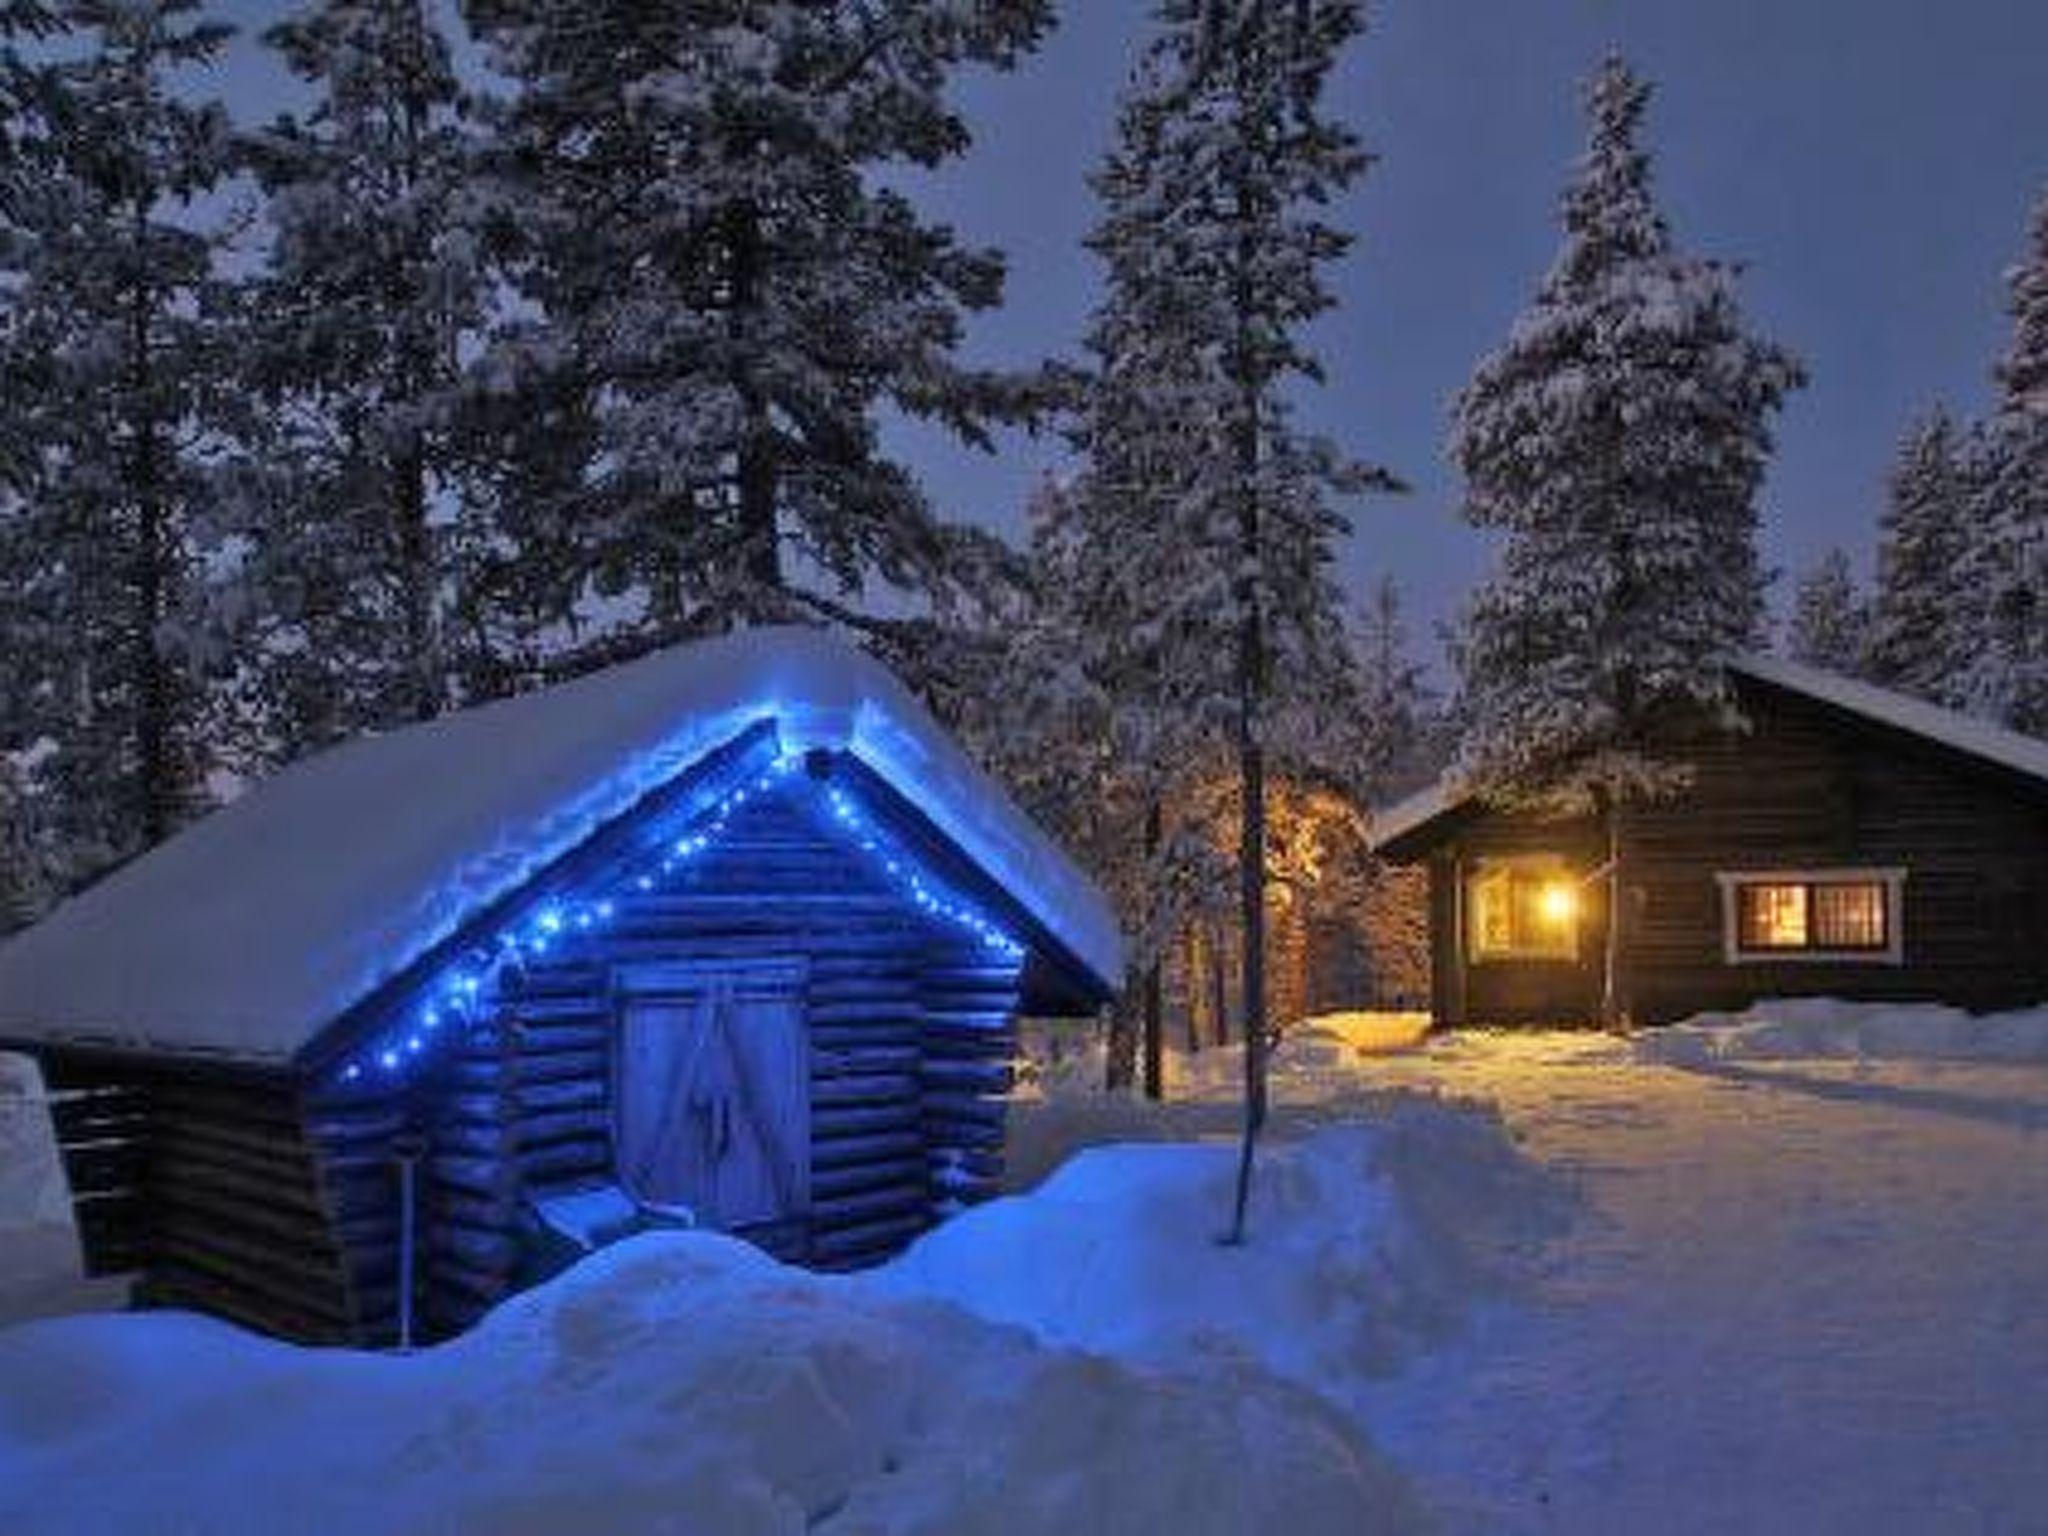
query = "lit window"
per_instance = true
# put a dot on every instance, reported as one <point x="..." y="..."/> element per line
<point x="1845" y="914"/>
<point x="1523" y="909"/>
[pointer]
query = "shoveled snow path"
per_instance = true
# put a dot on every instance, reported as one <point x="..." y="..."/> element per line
<point x="1807" y="1297"/>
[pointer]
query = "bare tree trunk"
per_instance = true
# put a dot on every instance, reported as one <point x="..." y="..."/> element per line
<point x="760" y="539"/>
<point x="155" y="756"/>
<point x="1251" y="690"/>
<point x="424" y="685"/>
<point x="1155" y="990"/>
<point x="1613" y="995"/>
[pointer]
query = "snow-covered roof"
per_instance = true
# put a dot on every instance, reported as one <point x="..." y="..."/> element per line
<point x="248" y="933"/>
<point x="1981" y="739"/>
<point x="1419" y="809"/>
<point x="1978" y="738"/>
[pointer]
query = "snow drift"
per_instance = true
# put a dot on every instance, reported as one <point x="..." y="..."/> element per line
<point x="1822" y="1027"/>
<point x="32" y="1191"/>
<point x="684" y="1382"/>
<point x="1371" y="1242"/>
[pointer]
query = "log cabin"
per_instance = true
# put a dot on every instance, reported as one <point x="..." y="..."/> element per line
<point x="730" y="936"/>
<point x="1845" y="841"/>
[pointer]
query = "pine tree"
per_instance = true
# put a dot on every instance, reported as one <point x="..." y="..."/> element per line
<point x="1396" y="713"/>
<point x="2007" y="561"/>
<point x="1215" y="237"/>
<point x="1830" y="626"/>
<point x="735" y="296"/>
<point x="1619" y="440"/>
<point x="110" y="312"/>
<point x="1923" y="604"/>
<point x="373" y="289"/>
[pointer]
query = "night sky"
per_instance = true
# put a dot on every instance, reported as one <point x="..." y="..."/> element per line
<point x="1872" y="162"/>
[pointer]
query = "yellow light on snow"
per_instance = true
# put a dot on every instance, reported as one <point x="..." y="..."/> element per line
<point x="1559" y="904"/>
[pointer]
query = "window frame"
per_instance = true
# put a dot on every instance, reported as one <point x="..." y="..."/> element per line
<point x="1549" y="868"/>
<point x="1891" y="879"/>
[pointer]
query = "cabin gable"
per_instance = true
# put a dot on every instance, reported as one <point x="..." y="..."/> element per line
<point x="788" y="904"/>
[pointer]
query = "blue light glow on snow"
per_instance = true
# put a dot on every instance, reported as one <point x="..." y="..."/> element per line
<point x="459" y="994"/>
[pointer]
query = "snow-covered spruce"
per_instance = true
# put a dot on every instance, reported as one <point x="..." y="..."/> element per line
<point x="1619" y="440"/>
<point x="1921" y="613"/>
<point x="2007" y="559"/>
<point x="107" y="349"/>
<point x="354" y="331"/>
<point x="721" y="293"/>
<point x="1830" y="624"/>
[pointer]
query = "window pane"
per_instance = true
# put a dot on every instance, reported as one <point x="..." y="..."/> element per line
<point x="1849" y="916"/>
<point x="1773" y="917"/>
<point x="1524" y="912"/>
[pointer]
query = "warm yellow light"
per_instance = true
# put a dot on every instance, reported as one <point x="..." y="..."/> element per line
<point x="1559" y="904"/>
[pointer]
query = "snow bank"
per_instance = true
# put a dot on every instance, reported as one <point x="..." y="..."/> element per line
<point x="31" y="1179"/>
<point x="680" y="1382"/>
<point x="1370" y="1242"/>
<point x="1827" y="1027"/>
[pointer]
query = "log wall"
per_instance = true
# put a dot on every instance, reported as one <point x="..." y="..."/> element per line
<point x="910" y="1033"/>
<point x="1807" y="787"/>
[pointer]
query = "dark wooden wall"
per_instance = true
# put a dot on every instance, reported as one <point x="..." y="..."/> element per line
<point x="205" y="1185"/>
<point x="1808" y="787"/>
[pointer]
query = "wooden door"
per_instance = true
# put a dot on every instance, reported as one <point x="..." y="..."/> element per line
<point x="712" y="1093"/>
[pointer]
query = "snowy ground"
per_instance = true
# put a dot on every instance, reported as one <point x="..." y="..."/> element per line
<point x="1780" y="1274"/>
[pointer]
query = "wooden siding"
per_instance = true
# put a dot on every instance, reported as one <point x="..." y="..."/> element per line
<point x="204" y="1183"/>
<point x="1807" y="787"/>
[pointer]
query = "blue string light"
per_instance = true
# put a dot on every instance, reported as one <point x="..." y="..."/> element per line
<point x="458" y="994"/>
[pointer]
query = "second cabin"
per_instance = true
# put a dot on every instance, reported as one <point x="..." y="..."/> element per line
<point x="732" y="936"/>
<point x="1846" y="842"/>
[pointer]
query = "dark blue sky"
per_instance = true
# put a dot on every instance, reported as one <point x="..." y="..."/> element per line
<point x="1872" y="162"/>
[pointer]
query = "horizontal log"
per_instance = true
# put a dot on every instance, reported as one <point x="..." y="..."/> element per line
<point x="832" y="1121"/>
<point x="860" y="1060"/>
<point x="976" y="1077"/>
<point x="530" y="1040"/>
<point x="480" y="1249"/>
<point x="846" y="1151"/>
<point x="535" y="1130"/>
<point x="180" y="1203"/>
<point x="872" y="1240"/>
<point x="563" y="1159"/>
<point x="963" y="1134"/>
<point x="974" y="1109"/>
<point x="857" y="1177"/>
<point x="869" y="1205"/>
<point x="484" y="1286"/>
<point x="289" y="1192"/>
<point x="514" y="1072"/>
<point x="569" y="1093"/>
<point x="469" y="1138"/>
<point x="530" y="1013"/>
<point x="191" y="1289"/>
<point x="103" y="1165"/>
<point x="269" y="1144"/>
<point x="252" y="1268"/>
<point x="472" y="1210"/>
<point x="266" y="1105"/>
<point x="888" y="1037"/>
<point x="481" y="1176"/>
<point x="873" y="1089"/>
<point x="259" y="1158"/>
